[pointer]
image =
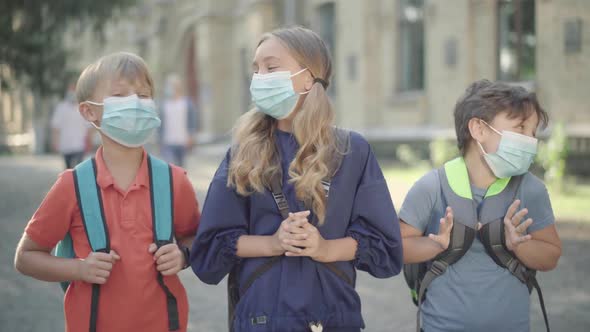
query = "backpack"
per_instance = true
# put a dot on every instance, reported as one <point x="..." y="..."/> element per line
<point x="88" y="195"/>
<point x="502" y="193"/>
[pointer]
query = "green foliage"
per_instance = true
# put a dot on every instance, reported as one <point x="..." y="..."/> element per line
<point x="441" y="151"/>
<point x="407" y="155"/>
<point x="552" y="156"/>
<point x="31" y="35"/>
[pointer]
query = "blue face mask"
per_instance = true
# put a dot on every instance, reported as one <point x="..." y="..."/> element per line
<point x="273" y="93"/>
<point x="129" y="121"/>
<point x="515" y="154"/>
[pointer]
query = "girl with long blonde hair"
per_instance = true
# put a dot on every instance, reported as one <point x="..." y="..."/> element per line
<point x="296" y="205"/>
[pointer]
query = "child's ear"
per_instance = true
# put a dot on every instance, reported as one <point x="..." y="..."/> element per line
<point x="308" y="81"/>
<point x="88" y="112"/>
<point x="476" y="129"/>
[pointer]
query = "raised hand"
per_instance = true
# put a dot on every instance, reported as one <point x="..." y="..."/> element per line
<point x="514" y="229"/>
<point x="443" y="238"/>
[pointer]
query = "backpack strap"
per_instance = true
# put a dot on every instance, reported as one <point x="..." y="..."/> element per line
<point x="342" y="137"/>
<point x="462" y="237"/>
<point x="494" y="241"/>
<point x="89" y="199"/>
<point x="276" y="187"/>
<point x="493" y="238"/>
<point x="162" y="199"/>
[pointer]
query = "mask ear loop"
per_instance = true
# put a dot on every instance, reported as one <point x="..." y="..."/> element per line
<point x="481" y="148"/>
<point x="492" y="128"/>
<point x="297" y="73"/>
<point x="315" y="80"/>
<point x="318" y="80"/>
<point x="95" y="104"/>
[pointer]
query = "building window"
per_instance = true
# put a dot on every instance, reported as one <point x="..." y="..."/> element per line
<point x="516" y="40"/>
<point x="573" y="35"/>
<point x="289" y="12"/>
<point x="327" y="31"/>
<point x="327" y="24"/>
<point x="411" y="45"/>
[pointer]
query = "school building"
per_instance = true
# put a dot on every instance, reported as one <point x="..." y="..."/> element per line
<point x="400" y="65"/>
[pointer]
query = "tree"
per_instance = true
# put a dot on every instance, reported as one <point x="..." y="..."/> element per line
<point x="31" y="35"/>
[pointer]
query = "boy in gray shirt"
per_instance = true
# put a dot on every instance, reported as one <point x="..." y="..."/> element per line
<point x="495" y="125"/>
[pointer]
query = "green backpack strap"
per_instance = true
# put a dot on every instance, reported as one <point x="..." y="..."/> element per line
<point x="162" y="199"/>
<point x="88" y="196"/>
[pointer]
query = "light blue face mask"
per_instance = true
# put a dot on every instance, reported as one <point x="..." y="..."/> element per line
<point x="273" y="93"/>
<point x="515" y="154"/>
<point x="129" y="121"/>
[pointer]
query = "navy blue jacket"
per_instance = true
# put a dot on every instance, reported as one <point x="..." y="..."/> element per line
<point x="298" y="290"/>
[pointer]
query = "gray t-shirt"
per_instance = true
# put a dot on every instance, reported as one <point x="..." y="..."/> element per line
<point x="474" y="294"/>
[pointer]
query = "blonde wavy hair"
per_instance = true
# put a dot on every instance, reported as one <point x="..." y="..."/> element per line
<point x="254" y="157"/>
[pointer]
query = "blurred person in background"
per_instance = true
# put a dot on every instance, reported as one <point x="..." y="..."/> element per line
<point x="179" y="123"/>
<point x="69" y="130"/>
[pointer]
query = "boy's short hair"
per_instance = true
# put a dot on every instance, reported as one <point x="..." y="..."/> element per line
<point x="484" y="99"/>
<point x="113" y="66"/>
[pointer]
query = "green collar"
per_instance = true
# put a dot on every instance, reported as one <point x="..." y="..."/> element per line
<point x="458" y="178"/>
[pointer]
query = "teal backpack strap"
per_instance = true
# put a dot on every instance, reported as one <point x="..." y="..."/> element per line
<point x="162" y="197"/>
<point x="90" y="204"/>
<point x="89" y="199"/>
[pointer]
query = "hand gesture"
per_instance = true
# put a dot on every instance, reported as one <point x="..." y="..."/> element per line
<point x="514" y="230"/>
<point x="306" y="239"/>
<point x="444" y="232"/>
<point x="290" y="229"/>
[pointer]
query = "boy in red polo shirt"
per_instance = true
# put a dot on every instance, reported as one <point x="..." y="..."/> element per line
<point x="131" y="299"/>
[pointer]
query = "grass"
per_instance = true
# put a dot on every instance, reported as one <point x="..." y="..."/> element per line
<point x="400" y="180"/>
<point x="569" y="205"/>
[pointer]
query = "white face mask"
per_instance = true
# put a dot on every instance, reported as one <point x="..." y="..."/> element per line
<point x="129" y="121"/>
<point x="515" y="154"/>
<point x="273" y="93"/>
